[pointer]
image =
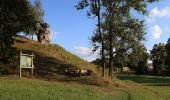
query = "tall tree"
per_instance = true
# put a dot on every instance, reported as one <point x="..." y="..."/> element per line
<point x="16" y="16"/>
<point x="38" y="14"/>
<point x="123" y="31"/>
<point x="95" y="10"/>
<point x="158" y="55"/>
<point x="121" y="23"/>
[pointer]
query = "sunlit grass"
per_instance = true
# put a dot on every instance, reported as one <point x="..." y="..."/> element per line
<point x="13" y="88"/>
<point x="54" y="51"/>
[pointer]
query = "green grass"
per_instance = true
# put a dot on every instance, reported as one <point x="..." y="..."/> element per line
<point x="131" y="88"/>
<point x="52" y="60"/>
<point x="12" y="88"/>
<point x="155" y="87"/>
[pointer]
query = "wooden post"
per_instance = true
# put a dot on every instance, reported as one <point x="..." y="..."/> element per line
<point x="20" y="64"/>
<point x="32" y="72"/>
<point x="19" y="72"/>
<point x="32" y="64"/>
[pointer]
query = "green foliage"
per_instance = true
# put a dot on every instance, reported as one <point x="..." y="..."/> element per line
<point x="121" y="59"/>
<point x="159" y="55"/>
<point x="95" y="9"/>
<point x="138" y="59"/>
<point x="121" y="29"/>
<point x="16" y="16"/>
<point x="167" y="46"/>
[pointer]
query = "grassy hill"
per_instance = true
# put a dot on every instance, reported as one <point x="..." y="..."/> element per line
<point x="51" y="61"/>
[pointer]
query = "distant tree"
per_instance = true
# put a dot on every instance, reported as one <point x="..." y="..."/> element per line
<point x="97" y="62"/>
<point x="142" y="67"/>
<point x="121" y="59"/>
<point x="16" y="16"/>
<point x="138" y="59"/>
<point x="167" y="46"/>
<point x="159" y="55"/>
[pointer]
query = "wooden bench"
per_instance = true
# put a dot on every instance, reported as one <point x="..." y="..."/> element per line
<point x="26" y="61"/>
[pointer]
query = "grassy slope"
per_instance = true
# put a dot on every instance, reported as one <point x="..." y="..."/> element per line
<point x="51" y="58"/>
<point x="13" y="88"/>
<point x="158" y="86"/>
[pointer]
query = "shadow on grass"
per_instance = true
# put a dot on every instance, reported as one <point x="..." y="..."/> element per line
<point x="147" y="80"/>
<point x="52" y="69"/>
<point x="48" y="66"/>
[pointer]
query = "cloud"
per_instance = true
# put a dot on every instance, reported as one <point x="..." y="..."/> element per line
<point x="86" y="53"/>
<point x="156" y="31"/>
<point x="165" y="12"/>
<point x="155" y="12"/>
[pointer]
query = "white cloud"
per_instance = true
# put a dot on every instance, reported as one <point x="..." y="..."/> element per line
<point x="155" y="12"/>
<point x="156" y="31"/>
<point x="86" y="53"/>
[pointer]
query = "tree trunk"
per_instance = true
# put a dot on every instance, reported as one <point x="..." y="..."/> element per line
<point x="110" y="41"/>
<point x="99" y="29"/>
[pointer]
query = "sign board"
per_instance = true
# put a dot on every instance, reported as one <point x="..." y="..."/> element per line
<point x="26" y="61"/>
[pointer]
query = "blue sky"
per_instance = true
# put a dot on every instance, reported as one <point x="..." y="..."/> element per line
<point x="71" y="29"/>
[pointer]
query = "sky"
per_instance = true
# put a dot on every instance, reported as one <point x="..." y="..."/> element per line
<point x="71" y="29"/>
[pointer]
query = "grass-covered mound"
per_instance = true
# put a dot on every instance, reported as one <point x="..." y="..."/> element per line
<point x="51" y="61"/>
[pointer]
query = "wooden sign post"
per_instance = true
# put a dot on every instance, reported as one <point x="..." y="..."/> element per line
<point x="26" y="61"/>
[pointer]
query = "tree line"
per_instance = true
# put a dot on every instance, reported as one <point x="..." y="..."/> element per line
<point x="137" y="59"/>
<point x="160" y="55"/>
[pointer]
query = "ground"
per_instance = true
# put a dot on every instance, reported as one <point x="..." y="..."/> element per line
<point x="130" y="88"/>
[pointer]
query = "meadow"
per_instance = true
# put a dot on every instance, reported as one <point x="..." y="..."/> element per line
<point x="131" y="87"/>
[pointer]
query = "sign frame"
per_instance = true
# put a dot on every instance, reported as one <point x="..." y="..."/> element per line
<point x="26" y="61"/>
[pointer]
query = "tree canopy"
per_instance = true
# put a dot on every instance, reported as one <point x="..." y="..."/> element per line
<point x="119" y="31"/>
<point x="16" y="16"/>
